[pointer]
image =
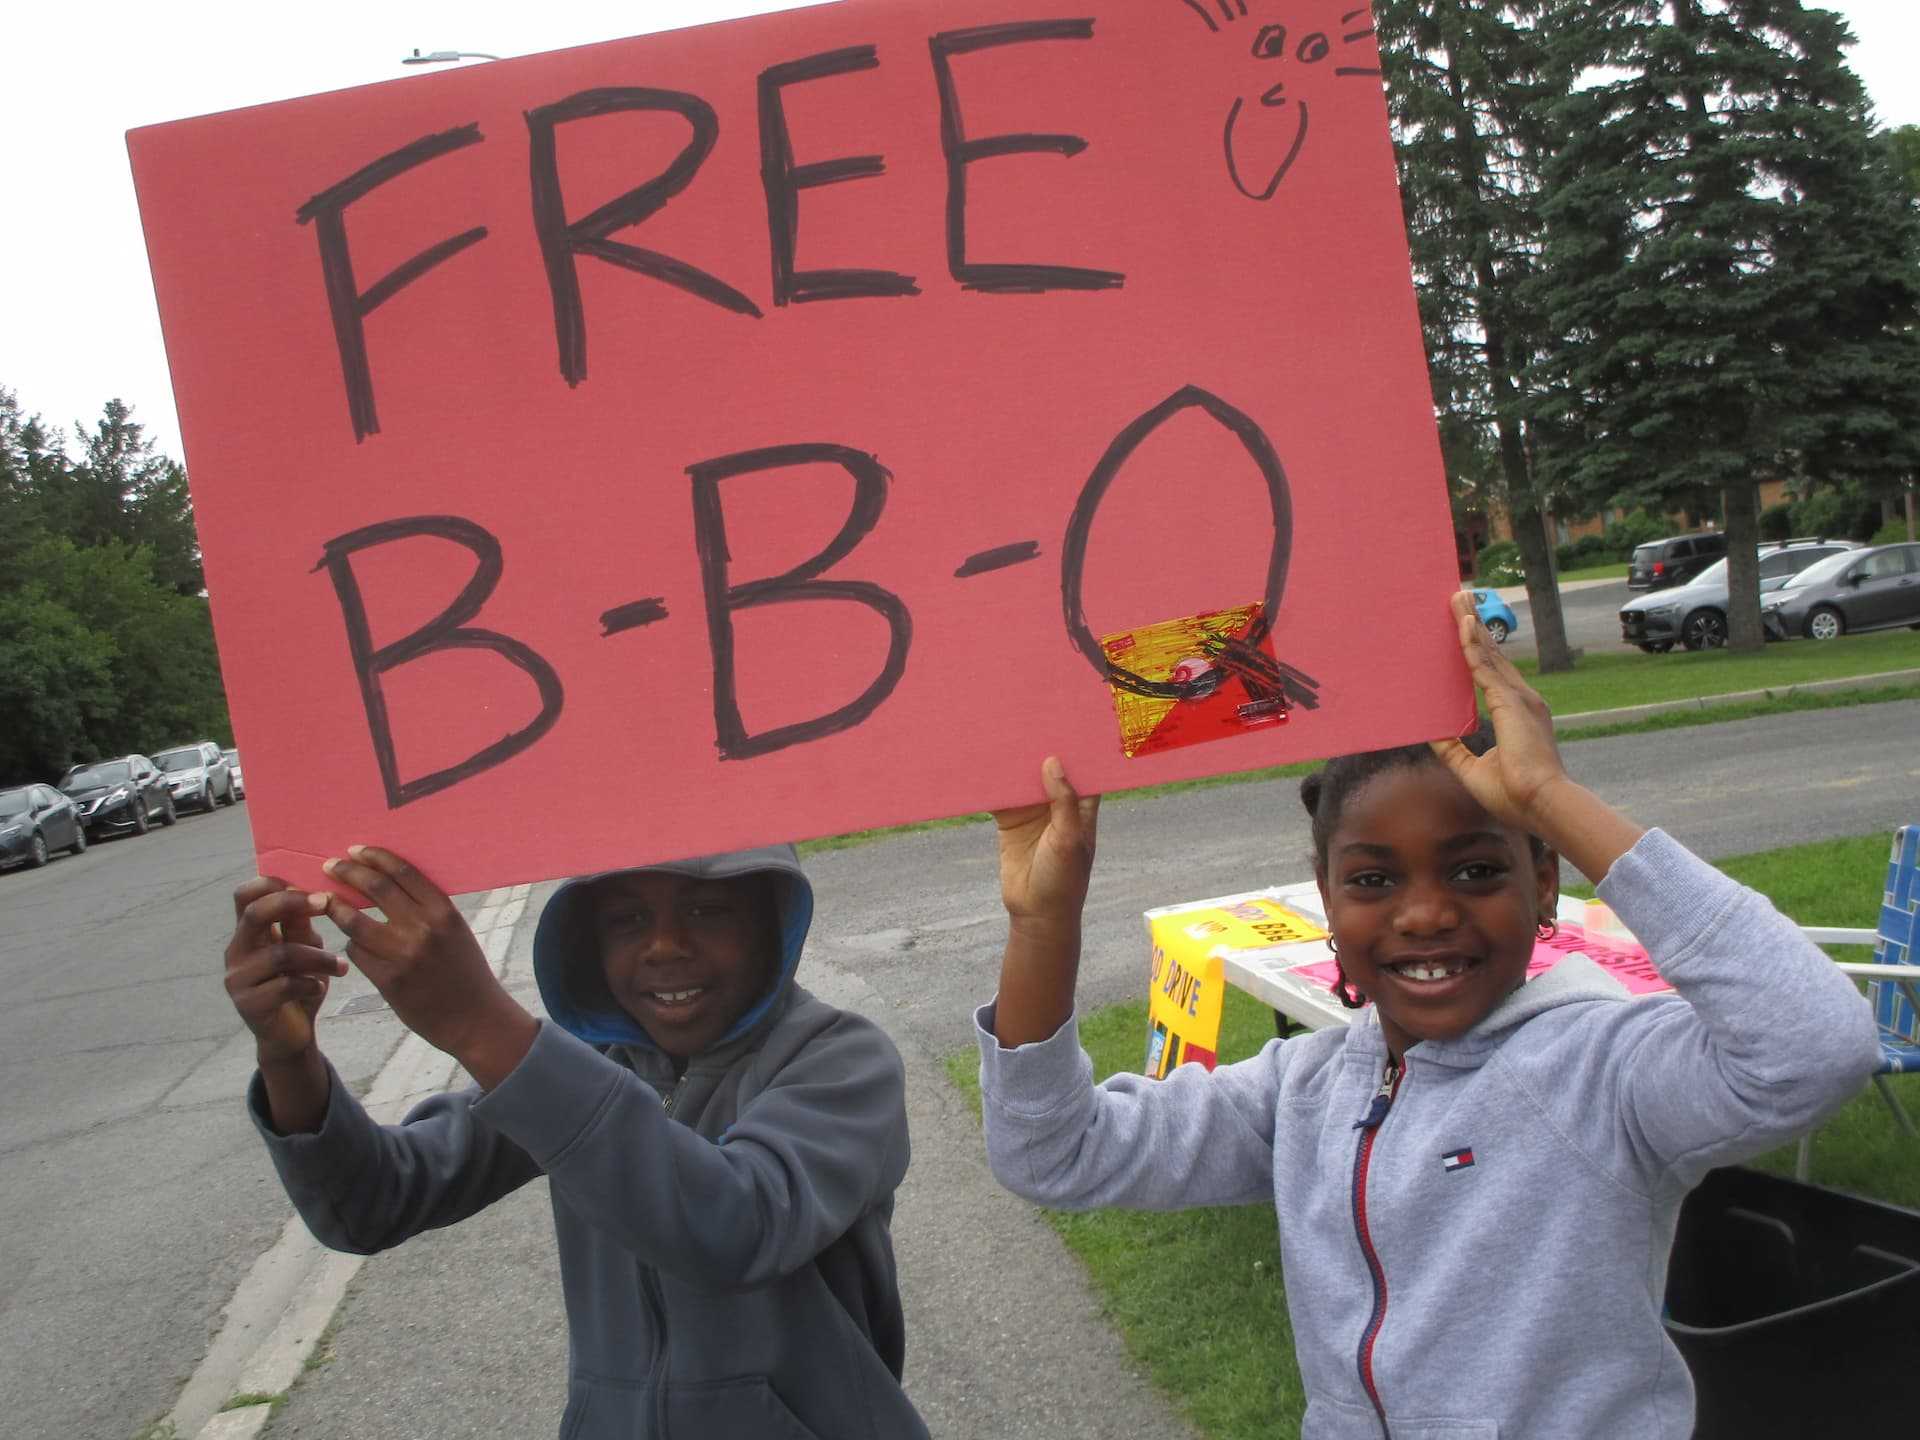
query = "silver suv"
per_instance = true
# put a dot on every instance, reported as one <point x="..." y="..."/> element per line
<point x="197" y="774"/>
<point x="1695" y="614"/>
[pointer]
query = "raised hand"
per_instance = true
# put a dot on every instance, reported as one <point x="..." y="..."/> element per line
<point x="1046" y="860"/>
<point x="1046" y="851"/>
<point x="1511" y="779"/>
<point x="426" y="963"/>
<point x="277" y="972"/>
<point x="1521" y="781"/>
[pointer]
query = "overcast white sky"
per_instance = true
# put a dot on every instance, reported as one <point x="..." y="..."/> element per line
<point x="78" y="325"/>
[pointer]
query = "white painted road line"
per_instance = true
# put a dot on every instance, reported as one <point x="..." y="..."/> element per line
<point x="241" y="1424"/>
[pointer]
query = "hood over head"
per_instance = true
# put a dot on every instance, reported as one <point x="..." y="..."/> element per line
<point x="566" y="952"/>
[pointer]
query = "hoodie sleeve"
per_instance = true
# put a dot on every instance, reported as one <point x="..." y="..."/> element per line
<point x="822" y="1143"/>
<point x="1198" y="1137"/>
<point x="1772" y="1038"/>
<point x="364" y="1187"/>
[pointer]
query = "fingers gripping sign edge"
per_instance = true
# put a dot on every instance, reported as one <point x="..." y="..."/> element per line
<point x="270" y="966"/>
<point x="273" y="921"/>
<point x="402" y="878"/>
<point x="249" y="891"/>
<point x="1074" y="816"/>
<point x="1493" y="673"/>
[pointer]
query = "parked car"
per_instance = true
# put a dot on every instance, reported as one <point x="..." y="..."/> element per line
<point x="35" y="821"/>
<point x="232" y="757"/>
<point x="1695" y="614"/>
<point x="197" y="775"/>
<point x="119" y="797"/>
<point x="1675" y="560"/>
<point x="1874" y="589"/>
<point x="1496" y="615"/>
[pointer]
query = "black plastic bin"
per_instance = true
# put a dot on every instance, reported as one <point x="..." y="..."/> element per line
<point x="1797" y="1309"/>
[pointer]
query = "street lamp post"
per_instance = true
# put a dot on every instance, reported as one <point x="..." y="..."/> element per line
<point x="442" y="57"/>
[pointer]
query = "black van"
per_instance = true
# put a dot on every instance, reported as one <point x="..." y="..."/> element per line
<point x="1673" y="561"/>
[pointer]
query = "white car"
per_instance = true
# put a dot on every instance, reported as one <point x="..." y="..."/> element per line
<point x="233" y="773"/>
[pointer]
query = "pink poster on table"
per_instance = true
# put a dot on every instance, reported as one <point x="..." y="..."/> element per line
<point x="794" y="425"/>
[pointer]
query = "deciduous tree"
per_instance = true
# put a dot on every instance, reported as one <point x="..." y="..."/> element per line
<point x="106" y="645"/>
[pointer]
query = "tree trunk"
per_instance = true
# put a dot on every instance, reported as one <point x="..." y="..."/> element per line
<point x="1543" y="593"/>
<point x="1530" y="530"/>
<point x="1493" y="305"/>
<point x="1741" y="506"/>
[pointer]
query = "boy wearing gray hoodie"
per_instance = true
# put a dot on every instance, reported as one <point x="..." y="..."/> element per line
<point x="722" y="1149"/>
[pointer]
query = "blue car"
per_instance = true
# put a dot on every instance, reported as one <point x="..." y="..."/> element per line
<point x="1496" y="615"/>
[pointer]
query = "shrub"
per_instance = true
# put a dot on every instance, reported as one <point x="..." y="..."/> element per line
<point x="1637" y="529"/>
<point x="1615" y="544"/>
<point x="1894" y="532"/>
<point x="1499" y="564"/>
<point x="1776" y="522"/>
<point x="1836" y="515"/>
<point x="1588" y="550"/>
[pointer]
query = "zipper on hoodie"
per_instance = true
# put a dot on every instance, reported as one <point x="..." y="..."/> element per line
<point x="1369" y="1126"/>
<point x="650" y="1288"/>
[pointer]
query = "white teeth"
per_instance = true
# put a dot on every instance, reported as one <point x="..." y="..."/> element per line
<point x="1435" y="971"/>
<point x="675" y="997"/>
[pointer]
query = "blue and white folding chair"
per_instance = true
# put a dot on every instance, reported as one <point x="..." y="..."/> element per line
<point x="1894" y="995"/>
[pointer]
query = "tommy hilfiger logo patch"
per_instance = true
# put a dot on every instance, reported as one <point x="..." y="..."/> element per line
<point x="1456" y="1160"/>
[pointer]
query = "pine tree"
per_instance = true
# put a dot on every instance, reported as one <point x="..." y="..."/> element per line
<point x="1724" y="256"/>
<point x="1469" y="84"/>
<point x="1903" y="152"/>
<point x="1901" y="149"/>
<point x="123" y="489"/>
<point x="29" y="459"/>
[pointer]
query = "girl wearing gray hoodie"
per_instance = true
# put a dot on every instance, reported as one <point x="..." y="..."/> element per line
<point x="1477" y="1182"/>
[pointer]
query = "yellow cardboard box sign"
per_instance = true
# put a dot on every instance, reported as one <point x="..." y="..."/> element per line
<point x="1187" y="989"/>
<point x="1183" y="1011"/>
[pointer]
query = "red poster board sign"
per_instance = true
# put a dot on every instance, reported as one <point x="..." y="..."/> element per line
<point x="774" y="428"/>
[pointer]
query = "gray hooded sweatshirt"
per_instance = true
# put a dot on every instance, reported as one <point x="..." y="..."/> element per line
<point x="726" y="1258"/>
<point x="1483" y="1253"/>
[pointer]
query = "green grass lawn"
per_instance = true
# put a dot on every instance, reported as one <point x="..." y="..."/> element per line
<point x="1731" y="710"/>
<point x="1608" y="681"/>
<point x="1615" y="571"/>
<point x="1196" y="1296"/>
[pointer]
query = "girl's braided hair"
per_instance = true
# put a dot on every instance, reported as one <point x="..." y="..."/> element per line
<point x="1325" y="792"/>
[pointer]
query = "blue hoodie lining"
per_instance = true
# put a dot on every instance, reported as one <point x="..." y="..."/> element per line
<point x="563" y="942"/>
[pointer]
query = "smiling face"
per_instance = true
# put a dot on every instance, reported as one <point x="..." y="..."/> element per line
<point x="686" y="957"/>
<point x="1258" y="160"/>
<point x="1432" y="903"/>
